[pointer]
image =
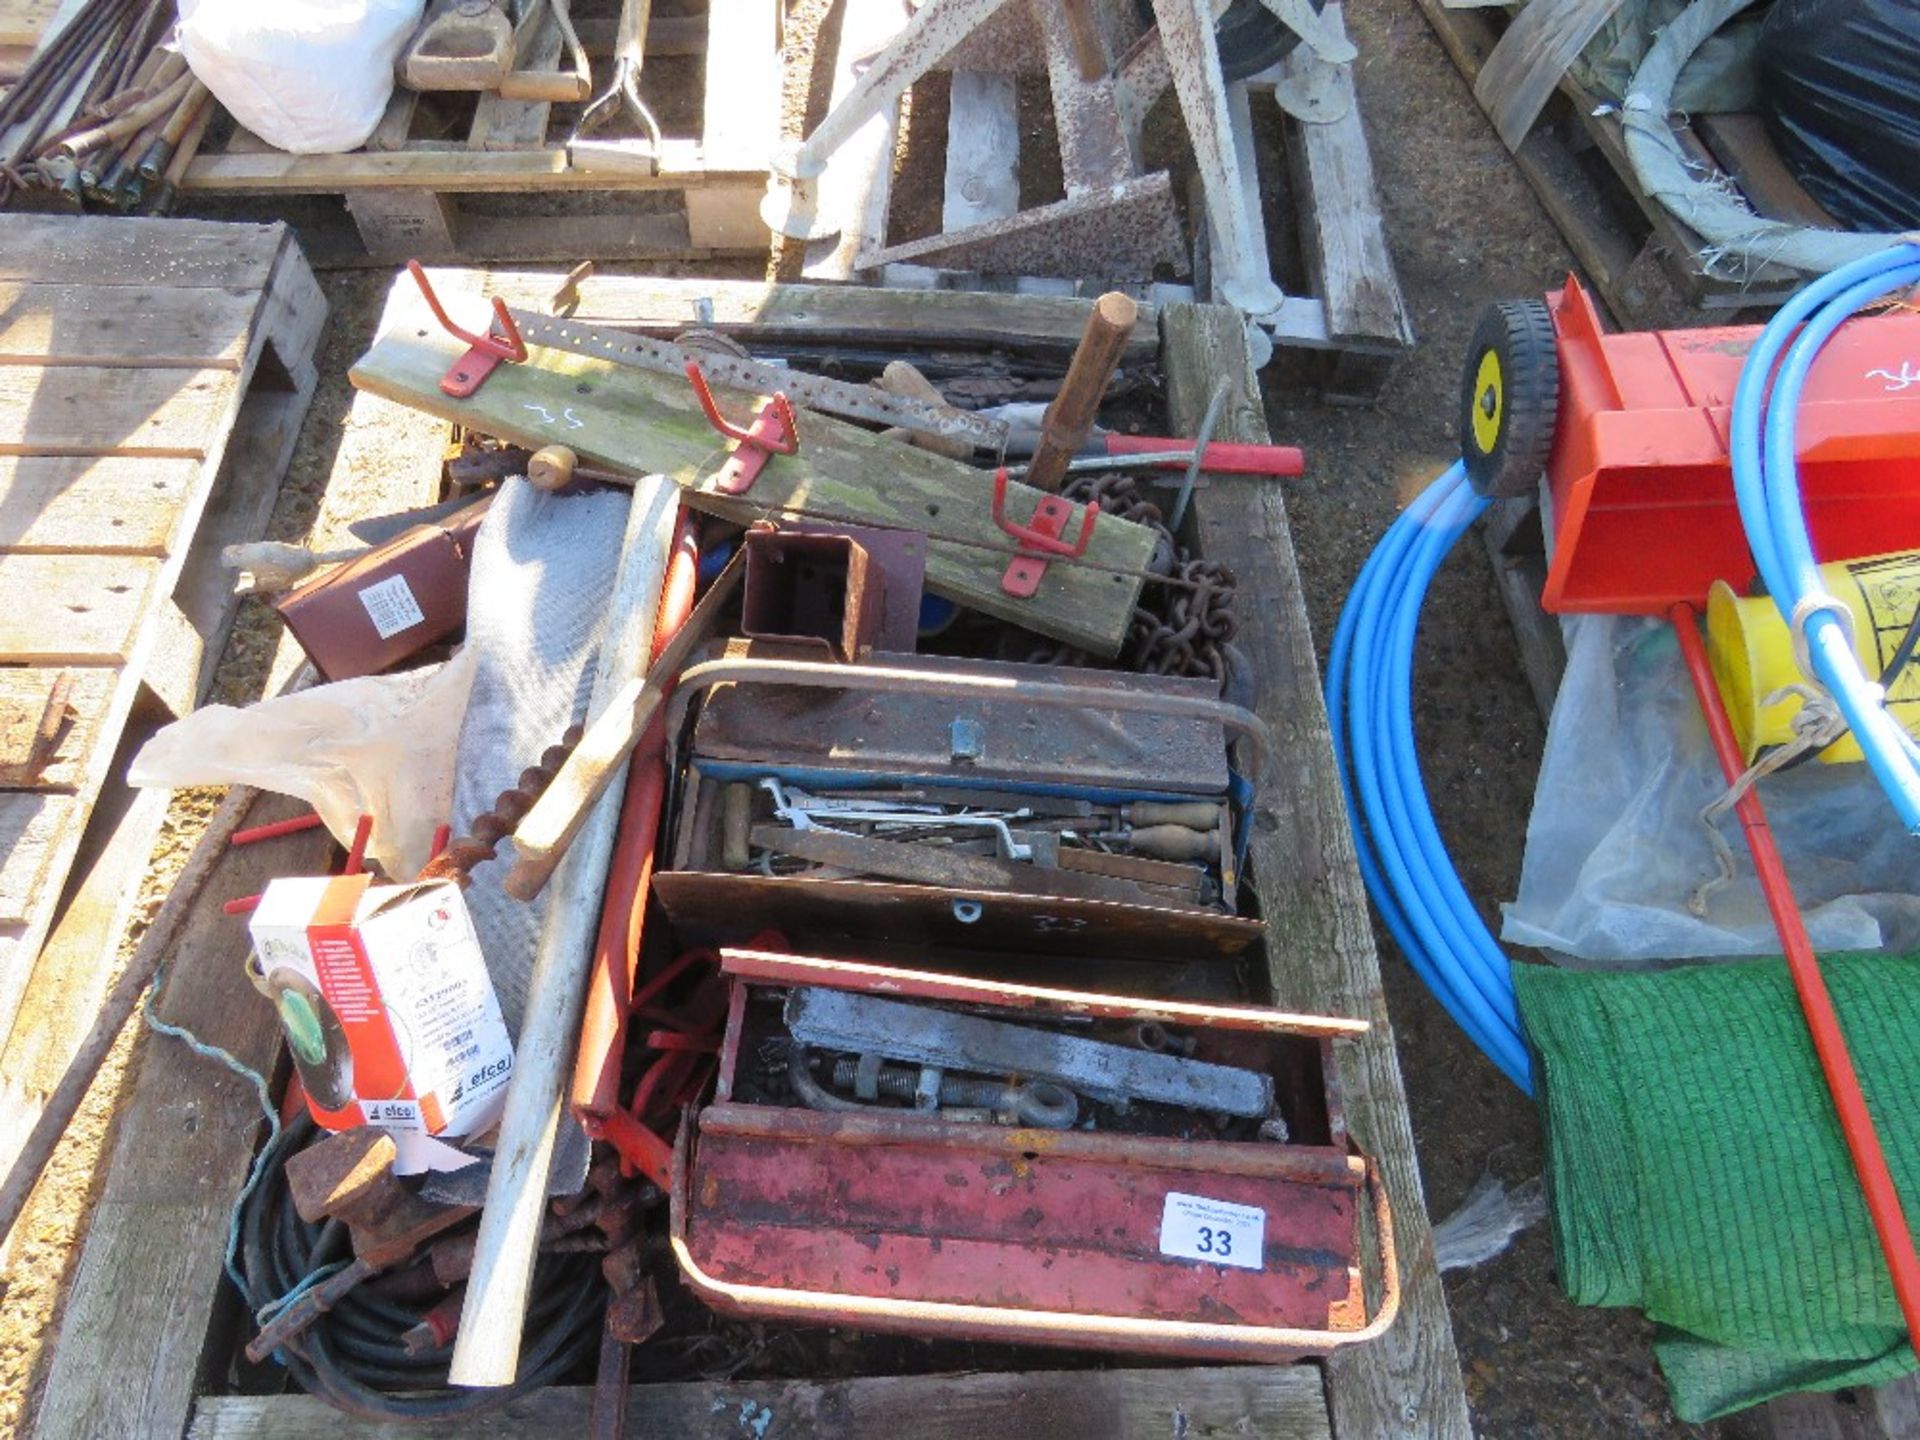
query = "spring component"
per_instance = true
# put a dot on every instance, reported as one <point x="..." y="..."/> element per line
<point x="1037" y="1102"/>
<point x="491" y="826"/>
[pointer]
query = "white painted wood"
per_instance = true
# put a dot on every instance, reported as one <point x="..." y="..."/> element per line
<point x="858" y="182"/>
<point x="983" y="149"/>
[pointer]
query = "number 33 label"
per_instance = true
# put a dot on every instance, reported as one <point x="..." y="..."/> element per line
<point x="1217" y="1231"/>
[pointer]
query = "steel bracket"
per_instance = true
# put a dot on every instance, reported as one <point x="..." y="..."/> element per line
<point x="771" y="432"/>
<point x="1039" y="537"/>
<point x="484" y="351"/>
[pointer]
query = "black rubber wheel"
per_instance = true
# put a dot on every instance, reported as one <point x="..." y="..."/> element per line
<point x="1509" y="392"/>
<point x="1251" y="38"/>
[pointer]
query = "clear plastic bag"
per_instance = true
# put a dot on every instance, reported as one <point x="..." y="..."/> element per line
<point x="1616" y="849"/>
<point x="382" y="746"/>
<point x="1486" y="1222"/>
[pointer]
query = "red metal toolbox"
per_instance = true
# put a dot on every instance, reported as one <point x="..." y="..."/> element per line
<point x="1161" y="1230"/>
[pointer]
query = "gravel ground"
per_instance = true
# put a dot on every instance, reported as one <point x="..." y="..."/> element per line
<point x="1464" y="229"/>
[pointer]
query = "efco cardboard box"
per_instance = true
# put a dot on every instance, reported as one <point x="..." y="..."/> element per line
<point x="386" y="1002"/>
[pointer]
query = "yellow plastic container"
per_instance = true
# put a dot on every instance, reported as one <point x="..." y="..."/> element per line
<point x="1752" y="653"/>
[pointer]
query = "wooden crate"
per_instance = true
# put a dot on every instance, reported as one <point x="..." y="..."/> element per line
<point x="153" y="377"/>
<point x="1348" y="308"/>
<point x="435" y="179"/>
<point x="150" y="1320"/>
<point x="1648" y="267"/>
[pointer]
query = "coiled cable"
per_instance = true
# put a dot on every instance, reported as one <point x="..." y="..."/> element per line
<point x="351" y="1356"/>
<point x="1403" y="859"/>
<point x="1766" y="481"/>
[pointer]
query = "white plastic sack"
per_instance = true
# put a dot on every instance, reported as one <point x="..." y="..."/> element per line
<point x="381" y="745"/>
<point x="309" y="76"/>
<point x="1615" y="848"/>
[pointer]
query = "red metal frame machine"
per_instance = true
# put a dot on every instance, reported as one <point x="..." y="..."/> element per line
<point x="1639" y="517"/>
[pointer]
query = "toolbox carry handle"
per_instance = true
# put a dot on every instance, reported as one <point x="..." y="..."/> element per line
<point x="1269" y="1343"/>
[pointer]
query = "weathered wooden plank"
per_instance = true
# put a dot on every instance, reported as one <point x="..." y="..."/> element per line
<point x="500" y="124"/>
<point x="33" y="831"/>
<point x="826" y="314"/>
<point x="440" y="167"/>
<point x="634" y="420"/>
<point x="1278" y="1403"/>
<point x="57" y="584"/>
<point x="23" y="21"/>
<point x="74" y="969"/>
<point x="148" y="1287"/>
<point x="1345" y="237"/>
<point x="88" y="410"/>
<point x="983" y="149"/>
<point x="1320" y="942"/>
<point x="108" y="504"/>
<point x="196" y="327"/>
<point x="148" y="1279"/>
<point x="1741" y="144"/>
<point x="858" y="182"/>
<point x="396" y="121"/>
<point x="24" y="691"/>
<point x="33" y="713"/>
<point x="742" y="105"/>
<point x="114" y="250"/>
<point x="73" y="609"/>
<point x="200" y="608"/>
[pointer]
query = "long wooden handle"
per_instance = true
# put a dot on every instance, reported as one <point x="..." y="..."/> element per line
<point x="487" y="1349"/>
<point x="548" y="828"/>
<point x="1069" y="419"/>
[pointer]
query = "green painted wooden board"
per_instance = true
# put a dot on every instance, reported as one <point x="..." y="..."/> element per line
<point x="627" y="419"/>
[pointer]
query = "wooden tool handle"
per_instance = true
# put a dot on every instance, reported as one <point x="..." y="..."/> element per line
<point x="553" y="87"/>
<point x="1175" y="842"/>
<point x="548" y="828"/>
<point x="1069" y="419"/>
<point x="1190" y="814"/>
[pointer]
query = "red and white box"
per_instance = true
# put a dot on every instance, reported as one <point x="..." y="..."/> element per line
<point x="386" y="1003"/>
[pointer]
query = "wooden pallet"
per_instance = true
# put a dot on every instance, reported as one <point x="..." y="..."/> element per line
<point x="1349" y="306"/>
<point x="1644" y="262"/>
<point x="150" y="1321"/>
<point x="1516" y="544"/>
<point x="432" y="181"/>
<point x="153" y="376"/>
<point x="22" y="23"/>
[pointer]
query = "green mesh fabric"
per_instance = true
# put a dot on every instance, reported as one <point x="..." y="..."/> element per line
<point x="1696" y="1171"/>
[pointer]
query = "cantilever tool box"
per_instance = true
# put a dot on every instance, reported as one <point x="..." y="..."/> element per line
<point x="1168" y="1232"/>
<point x="990" y="752"/>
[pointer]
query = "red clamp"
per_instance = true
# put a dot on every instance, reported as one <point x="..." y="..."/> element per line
<point x="771" y="433"/>
<point x="1039" y="538"/>
<point x="483" y="351"/>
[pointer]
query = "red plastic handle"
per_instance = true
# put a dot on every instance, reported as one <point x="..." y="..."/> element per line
<point x="1039" y="540"/>
<point x="1220" y="457"/>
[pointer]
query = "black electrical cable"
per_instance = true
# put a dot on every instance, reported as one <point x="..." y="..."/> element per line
<point x="352" y="1358"/>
